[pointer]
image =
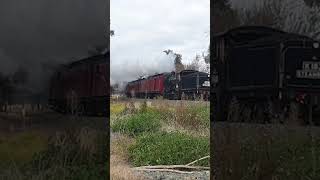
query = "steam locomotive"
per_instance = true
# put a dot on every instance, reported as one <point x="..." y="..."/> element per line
<point x="81" y="87"/>
<point x="265" y="75"/>
<point x="187" y="84"/>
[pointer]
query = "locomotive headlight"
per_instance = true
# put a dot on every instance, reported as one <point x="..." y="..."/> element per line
<point x="316" y="45"/>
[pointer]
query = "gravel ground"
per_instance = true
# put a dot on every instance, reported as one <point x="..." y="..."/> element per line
<point x="161" y="175"/>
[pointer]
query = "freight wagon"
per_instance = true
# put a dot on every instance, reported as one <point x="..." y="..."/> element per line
<point x="262" y="74"/>
<point x="150" y="87"/>
<point x="81" y="87"/>
<point x="187" y="84"/>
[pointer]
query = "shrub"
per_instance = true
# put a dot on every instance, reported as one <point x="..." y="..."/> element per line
<point x="168" y="149"/>
<point x="147" y="121"/>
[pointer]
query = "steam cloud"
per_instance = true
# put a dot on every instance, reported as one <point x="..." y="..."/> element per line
<point x="121" y="72"/>
<point x="39" y="34"/>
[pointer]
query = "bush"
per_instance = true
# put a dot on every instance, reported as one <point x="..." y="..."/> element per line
<point x="146" y="121"/>
<point x="168" y="149"/>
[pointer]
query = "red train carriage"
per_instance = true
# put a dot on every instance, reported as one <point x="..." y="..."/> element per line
<point x="149" y="88"/>
<point x="81" y="87"/>
<point x="155" y="85"/>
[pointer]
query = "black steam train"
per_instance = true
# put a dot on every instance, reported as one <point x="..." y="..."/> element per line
<point x="264" y="75"/>
<point x="187" y="84"/>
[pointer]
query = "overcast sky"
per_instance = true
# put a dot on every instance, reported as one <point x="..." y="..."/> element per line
<point x="144" y="28"/>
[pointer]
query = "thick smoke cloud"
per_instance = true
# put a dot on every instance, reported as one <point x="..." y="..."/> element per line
<point x="37" y="35"/>
<point x="143" y="29"/>
<point x="141" y="67"/>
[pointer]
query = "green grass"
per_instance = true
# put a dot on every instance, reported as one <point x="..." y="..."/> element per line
<point x="168" y="148"/>
<point x="53" y="161"/>
<point x="71" y="162"/>
<point x="142" y="122"/>
<point x="21" y="148"/>
<point x="157" y="131"/>
<point x="117" y="108"/>
<point x="193" y="117"/>
<point x="203" y="115"/>
<point x="276" y="152"/>
<point x="284" y="159"/>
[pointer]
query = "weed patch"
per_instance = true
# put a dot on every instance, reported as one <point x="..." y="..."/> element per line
<point x="168" y="149"/>
<point x="146" y="121"/>
<point x="21" y="147"/>
<point x="117" y="108"/>
<point x="68" y="155"/>
<point x="193" y="117"/>
<point x="248" y="152"/>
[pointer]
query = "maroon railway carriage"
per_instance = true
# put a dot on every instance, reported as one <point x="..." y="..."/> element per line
<point x="150" y="87"/>
<point x="81" y="87"/>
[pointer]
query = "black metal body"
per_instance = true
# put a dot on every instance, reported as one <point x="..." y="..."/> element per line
<point x="194" y="83"/>
<point x="260" y="63"/>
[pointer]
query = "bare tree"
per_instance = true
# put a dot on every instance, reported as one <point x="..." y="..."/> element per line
<point x="224" y="17"/>
<point x="312" y="3"/>
<point x="294" y="16"/>
<point x="177" y="60"/>
<point x="195" y="64"/>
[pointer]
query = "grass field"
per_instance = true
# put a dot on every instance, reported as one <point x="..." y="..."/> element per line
<point x="158" y="133"/>
<point x="263" y="152"/>
<point x="54" y="147"/>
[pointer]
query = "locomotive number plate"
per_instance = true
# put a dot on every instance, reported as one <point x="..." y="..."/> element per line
<point x="310" y="70"/>
<point x="206" y="84"/>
